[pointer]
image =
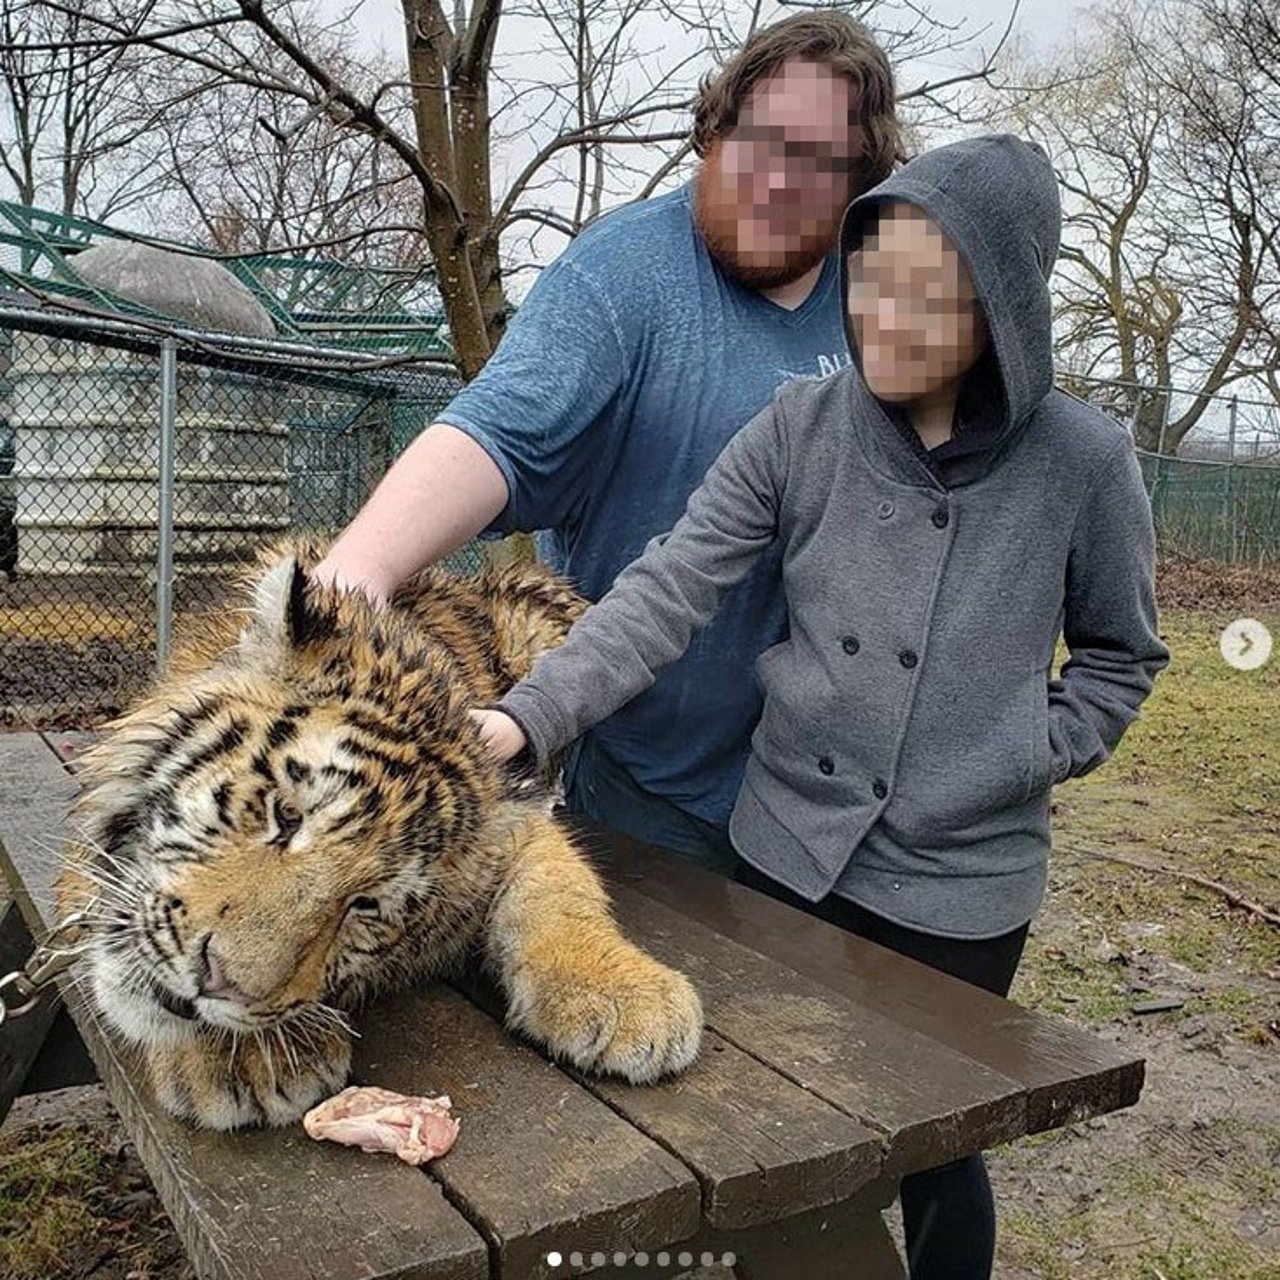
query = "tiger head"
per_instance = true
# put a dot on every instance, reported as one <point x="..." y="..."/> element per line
<point x="281" y="830"/>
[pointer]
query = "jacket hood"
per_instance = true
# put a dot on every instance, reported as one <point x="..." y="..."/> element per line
<point x="997" y="199"/>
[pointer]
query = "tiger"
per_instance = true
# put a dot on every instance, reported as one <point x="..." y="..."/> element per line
<point x="301" y="815"/>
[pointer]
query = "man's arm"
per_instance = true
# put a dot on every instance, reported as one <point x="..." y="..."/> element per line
<point x="514" y="450"/>
<point x="443" y="490"/>
<point x="1110" y="620"/>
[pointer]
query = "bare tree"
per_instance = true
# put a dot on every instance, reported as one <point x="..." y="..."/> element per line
<point x="589" y="105"/>
<point x="244" y="173"/>
<point x="69" y="121"/>
<point x="1232" y="117"/>
<point x="1169" y="217"/>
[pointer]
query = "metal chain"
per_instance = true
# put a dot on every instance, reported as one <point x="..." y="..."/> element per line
<point x="48" y="960"/>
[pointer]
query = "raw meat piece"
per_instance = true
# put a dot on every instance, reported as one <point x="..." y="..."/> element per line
<point x="373" y="1119"/>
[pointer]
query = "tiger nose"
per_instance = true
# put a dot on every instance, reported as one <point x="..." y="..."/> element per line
<point x="211" y="981"/>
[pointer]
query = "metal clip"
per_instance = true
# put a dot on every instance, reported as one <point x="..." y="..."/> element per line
<point x="27" y="991"/>
<point x="46" y="962"/>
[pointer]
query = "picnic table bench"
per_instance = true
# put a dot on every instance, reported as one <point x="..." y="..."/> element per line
<point x="831" y="1067"/>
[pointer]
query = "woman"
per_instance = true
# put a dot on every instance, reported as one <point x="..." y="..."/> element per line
<point x="944" y="514"/>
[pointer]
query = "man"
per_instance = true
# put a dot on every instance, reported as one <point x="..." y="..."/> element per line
<point x="638" y="353"/>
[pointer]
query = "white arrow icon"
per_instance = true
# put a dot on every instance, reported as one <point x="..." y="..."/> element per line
<point x="1245" y="644"/>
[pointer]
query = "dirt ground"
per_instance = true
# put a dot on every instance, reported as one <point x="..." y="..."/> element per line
<point x="1183" y="1186"/>
<point x="1186" y="1184"/>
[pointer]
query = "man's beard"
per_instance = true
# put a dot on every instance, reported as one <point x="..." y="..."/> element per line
<point x="716" y="214"/>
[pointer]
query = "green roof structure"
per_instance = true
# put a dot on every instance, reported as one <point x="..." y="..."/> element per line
<point x="312" y="299"/>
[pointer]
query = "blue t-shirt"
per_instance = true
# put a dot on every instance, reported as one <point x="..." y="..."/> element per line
<point x="628" y="367"/>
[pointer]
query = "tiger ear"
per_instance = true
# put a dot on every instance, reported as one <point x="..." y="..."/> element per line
<point x="283" y="618"/>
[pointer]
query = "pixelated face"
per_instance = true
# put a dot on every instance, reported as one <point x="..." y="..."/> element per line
<point x="916" y="321"/>
<point x="770" y="194"/>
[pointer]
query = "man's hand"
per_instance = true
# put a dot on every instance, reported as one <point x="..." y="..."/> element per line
<point x="500" y="733"/>
<point x="330" y="573"/>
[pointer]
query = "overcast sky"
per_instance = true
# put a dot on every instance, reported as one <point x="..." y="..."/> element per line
<point x="380" y="24"/>
<point x="1044" y="21"/>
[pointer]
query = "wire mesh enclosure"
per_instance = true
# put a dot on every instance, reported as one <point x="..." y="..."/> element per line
<point x="1217" y="497"/>
<point x="140" y="472"/>
<point x="1215" y="510"/>
<point x="142" y="467"/>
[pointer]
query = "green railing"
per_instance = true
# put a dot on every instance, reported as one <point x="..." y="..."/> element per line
<point x="309" y="298"/>
<point x="1216" y="510"/>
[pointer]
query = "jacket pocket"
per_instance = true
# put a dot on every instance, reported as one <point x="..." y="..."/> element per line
<point x="1040" y="773"/>
<point x="789" y="745"/>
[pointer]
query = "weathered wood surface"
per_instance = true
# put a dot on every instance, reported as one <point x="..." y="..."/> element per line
<point x="66" y="744"/>
<point x="762" y="1147"/>
<point x="540" y="1164"/>
<point x="22" y="1038"/>
<point x="929" y="1103"/>
<point x="1067" y="1073"/>
<point x="830" y="1068"/>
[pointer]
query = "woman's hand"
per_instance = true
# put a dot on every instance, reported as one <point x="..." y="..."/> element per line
<point x="500" y="733"/>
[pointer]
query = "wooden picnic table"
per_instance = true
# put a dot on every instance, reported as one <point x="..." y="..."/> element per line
<point x="831" y="1067"/>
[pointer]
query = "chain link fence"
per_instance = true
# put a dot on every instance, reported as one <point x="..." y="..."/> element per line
<point x="1229" y="512"/>
<point x="140" y="467"/>
<point x="1216" y="494"/>
<point x="139" y="472"/>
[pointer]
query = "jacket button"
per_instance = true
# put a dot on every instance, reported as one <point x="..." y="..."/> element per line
<point x="908" y="658"/>
<point x="885" y="510"/>
<point x="827" y="765"/>
<point x="879" y="788"/>
<point x="940" y="517"/>
<point x="849" y="644"/>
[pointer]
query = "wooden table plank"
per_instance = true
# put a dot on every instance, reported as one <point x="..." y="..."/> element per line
<point x="930" y="1103"/>
<point x="67" y="744"/>
<point x="268" y="1203"/>
<point x="22" y="1037"/>
<point x="540" y="1164"/>
<point x="35" y="792"/>
<point x="762" y="1147"/>
<point x="1069" y="1073"/>
<point x="264" y="1204"/>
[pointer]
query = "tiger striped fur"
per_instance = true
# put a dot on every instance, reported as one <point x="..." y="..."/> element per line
<point x="302" y="815"/>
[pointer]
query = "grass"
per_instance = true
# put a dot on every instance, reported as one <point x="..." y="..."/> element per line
<point x="44" y="1194"/>
<point x="73" y="1203"/>
<point x="1161" y="1230"/>
<point x="1066" y="1251"/>
<point x="1170" y="1210"/>
<point x="1208" y="733"/>
<point x="1193" y="786"/>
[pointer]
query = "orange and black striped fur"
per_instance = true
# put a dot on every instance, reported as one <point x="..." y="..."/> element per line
<point x="302" y="815"/>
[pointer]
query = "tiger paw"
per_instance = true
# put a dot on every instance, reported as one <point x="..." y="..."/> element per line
<point x="270" y="1078"/>
<point x="630" y="1016"/>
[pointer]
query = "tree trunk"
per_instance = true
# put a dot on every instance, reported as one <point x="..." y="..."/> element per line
<point x="449" y="222"/>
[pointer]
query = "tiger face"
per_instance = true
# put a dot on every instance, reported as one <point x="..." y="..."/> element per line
<point x="277" y="835"/>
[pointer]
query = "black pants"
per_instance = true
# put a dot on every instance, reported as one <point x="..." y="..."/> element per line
<point x="948" y="1213"/>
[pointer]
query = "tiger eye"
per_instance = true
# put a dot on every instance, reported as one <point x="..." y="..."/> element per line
<point x="288" y="818"/>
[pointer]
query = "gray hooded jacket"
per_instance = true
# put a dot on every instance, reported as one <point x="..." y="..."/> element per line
<point x="912" y="727"/>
